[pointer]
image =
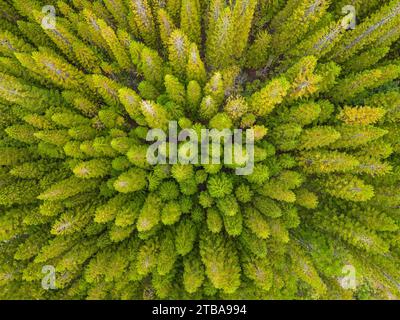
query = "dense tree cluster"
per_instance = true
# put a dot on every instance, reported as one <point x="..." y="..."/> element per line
<point x="76" y="189"/>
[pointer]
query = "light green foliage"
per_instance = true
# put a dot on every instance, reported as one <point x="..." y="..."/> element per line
<point x="144" y="21"/>
<point x="257" y="56"/>
<point x="191" y="19"/>
<point x="221" y="262"/>
<point x="77" y="191"/>
<point x="178" y="49"/>
<point x="131" y="181"/>
<point x="264" y="101"/>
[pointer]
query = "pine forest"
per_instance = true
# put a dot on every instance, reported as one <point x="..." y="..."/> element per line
<point x="84" y="214"/>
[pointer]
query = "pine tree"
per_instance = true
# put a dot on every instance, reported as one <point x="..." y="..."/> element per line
<point x="144" y="21"/>
<point x="191" y="20"/>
